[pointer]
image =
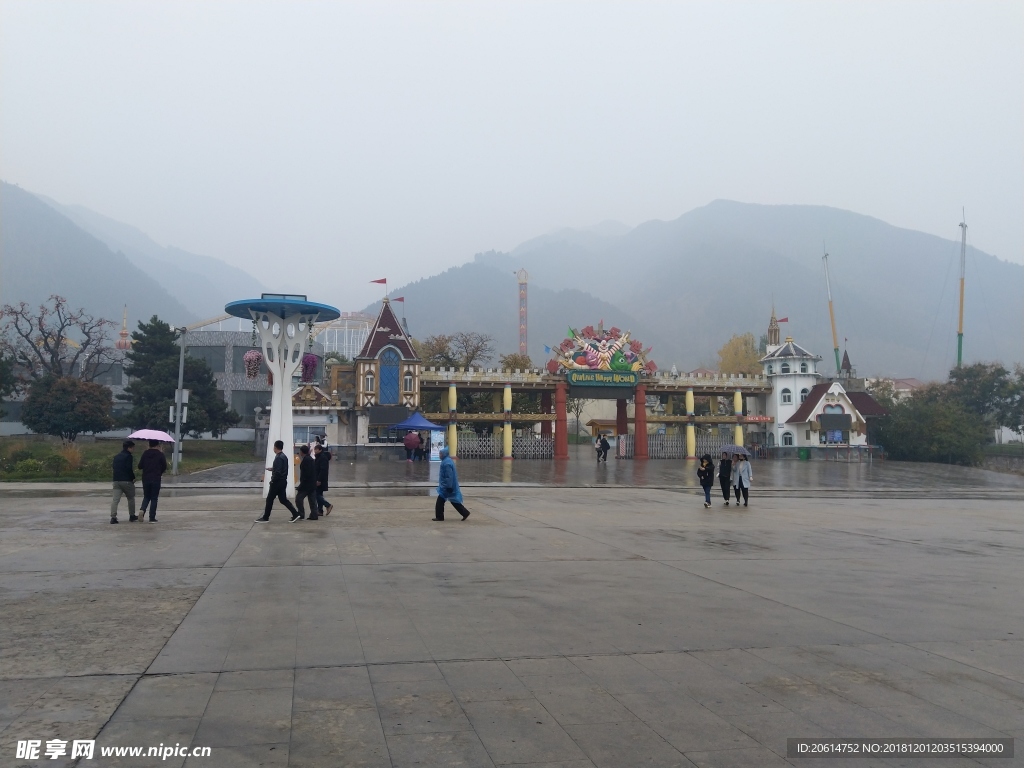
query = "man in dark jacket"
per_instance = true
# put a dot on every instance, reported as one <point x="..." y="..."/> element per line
<point x="278" y="484"/>
<point x="124" y="481"/>
<point x="152" y="465"/>
<point x="725" y="476"/>
<point x="307" y="486"/>
<point x="321" y="461"/>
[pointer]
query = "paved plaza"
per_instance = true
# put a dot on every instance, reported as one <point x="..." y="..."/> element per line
<point x="558" y="626"/>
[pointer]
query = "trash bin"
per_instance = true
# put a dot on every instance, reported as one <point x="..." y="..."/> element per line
<point x="804" y="454"/>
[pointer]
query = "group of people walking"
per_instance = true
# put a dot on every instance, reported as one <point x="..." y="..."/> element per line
<point x="734" y="476"/>
<point x="152" y="464"/>
<point x="313" y="481"/>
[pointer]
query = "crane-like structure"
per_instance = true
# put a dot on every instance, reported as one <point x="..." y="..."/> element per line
<point x="523" y="276"/>
<point x="963" y="265"/>
<point x="832" y="315"/>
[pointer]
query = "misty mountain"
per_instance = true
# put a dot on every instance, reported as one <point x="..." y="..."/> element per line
<point x="43" y="252"/>
<point x="477" y="297"/>
<point x="716" y="270"/>
<point x="202" y="283"/>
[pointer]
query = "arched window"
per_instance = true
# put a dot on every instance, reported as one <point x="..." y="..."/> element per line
<point x="368" y="382"/>
<point x="785" y="368"/>
<point x="407" y="383"/>
<point x="834" y="409"/>
<point x="389" y="364"/>
<point x="787" y="438"/>
<point x="771" y="439"/>
<point x="803" y="367"/>
<point x="803" y="394"/>
<point x="770" y="371"/>
<point x="787" y="396"/>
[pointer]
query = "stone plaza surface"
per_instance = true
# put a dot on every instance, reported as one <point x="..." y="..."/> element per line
<point x="616" y="626"/>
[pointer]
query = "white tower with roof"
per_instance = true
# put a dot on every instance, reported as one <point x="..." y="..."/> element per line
<point x="792" y="372"/>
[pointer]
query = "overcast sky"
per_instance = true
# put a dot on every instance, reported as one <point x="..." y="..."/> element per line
<point x="375" y="139"/>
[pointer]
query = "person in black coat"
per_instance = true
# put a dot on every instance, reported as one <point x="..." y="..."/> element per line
<point x="152" y="465"/>
<point x="306" y="489"/>
<point x="278" y="484"/>
<point x="124" y="481"/>
<point x="321" y="463"/>
<point x="725" y="476"/>
<point x="706" y="476"/>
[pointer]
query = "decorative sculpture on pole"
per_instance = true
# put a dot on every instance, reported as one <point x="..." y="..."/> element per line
<point x="282" y="322"/>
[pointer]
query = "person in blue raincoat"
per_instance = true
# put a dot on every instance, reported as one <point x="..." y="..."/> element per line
<point x="448" y="488"/>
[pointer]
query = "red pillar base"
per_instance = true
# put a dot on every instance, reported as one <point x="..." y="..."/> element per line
<point x="561" y="423"/>
<point x="640" y="422"/>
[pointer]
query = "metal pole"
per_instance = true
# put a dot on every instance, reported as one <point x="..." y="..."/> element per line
<point x="178" y="404"/>
<point x="963" y="264"/>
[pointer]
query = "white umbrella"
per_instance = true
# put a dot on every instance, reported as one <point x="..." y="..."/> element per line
<point x="152" y="434"/>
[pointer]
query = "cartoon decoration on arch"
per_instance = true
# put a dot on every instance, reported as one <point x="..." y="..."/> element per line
<point x="595" y="349"/>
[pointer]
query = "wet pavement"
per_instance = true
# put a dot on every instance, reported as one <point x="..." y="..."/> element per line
<point x="612" y="626"/>
<point x="581" y="470"/>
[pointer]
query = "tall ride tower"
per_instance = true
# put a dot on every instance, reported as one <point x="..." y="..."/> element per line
<point x="523" y="277"/>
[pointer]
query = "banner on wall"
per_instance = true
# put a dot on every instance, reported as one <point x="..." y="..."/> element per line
<point x="436" y="443"/>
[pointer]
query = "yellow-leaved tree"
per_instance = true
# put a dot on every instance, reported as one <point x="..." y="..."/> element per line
<point x="739" y="355"/>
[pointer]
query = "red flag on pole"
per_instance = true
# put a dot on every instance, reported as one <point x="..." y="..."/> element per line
<point x="399" y="298"/>
<point x="783" y="320"/>
<point x="383" y="281"/>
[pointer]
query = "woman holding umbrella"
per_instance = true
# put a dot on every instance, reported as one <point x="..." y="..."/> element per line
<point x="741" y="477"/>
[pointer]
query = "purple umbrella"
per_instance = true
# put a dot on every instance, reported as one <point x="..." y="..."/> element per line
<point x="152" y="434"/>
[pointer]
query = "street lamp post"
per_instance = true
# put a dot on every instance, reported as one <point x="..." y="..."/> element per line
<point x="180" y="402"/>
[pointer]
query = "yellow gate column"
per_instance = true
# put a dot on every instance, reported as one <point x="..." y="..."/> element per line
<point x="496" y="408"/>
<point x="737" y="406"/>
<point x="506" y="435"/>
<point x="453" y="435"/>
<point x="691" y="433"/>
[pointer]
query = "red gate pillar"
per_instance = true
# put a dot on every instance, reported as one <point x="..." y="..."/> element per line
<point x="545" y="407"/>
<point x="621" y="423"/>
<point x="640" y="422"/>
<point x="561" y="423"/>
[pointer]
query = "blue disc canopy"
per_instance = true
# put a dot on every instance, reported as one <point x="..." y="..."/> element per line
<point x="283" y="305"/>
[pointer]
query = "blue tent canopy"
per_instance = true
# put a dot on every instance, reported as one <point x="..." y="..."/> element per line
<point x="417" y="422"/>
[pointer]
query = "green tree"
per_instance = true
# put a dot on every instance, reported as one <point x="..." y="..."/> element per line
<point x="739" y="355"/>
<point x="516" y="360"/>
<point x="65" y="406"/>
<point x="929" y="426"/>
<point x="152" y="365"/>
<point x="987" y="390"/>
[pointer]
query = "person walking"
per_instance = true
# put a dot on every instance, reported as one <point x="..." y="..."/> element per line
<point x="306" y="489"/>
<point x="278" y="484"/>
<point x="603" y="446"/>
<point x="321" y="462"/>
<point x="152" y="465"/>
<point x="706" y="476"/>
<point x="448" y="488"/>
<point x="124" y="482"/>
<point x="411" y="441"/>
<point x="725" y="476"/>
<point x="741" y="477"/>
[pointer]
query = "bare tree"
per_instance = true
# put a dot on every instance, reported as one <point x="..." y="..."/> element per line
<point x="56" y="341"/>
<point x="575" y="406"/>
<point x="458" y="350"/>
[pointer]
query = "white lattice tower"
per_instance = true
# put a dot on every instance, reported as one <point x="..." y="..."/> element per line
<point x="283" y="341"/>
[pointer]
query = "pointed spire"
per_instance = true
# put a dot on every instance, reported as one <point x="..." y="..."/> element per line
<point x="773" y="329"/>
<point x="124" y="342"/>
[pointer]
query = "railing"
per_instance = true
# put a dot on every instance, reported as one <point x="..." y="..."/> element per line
<point x="474" y="446"/>
<point x="533" y="447"/>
